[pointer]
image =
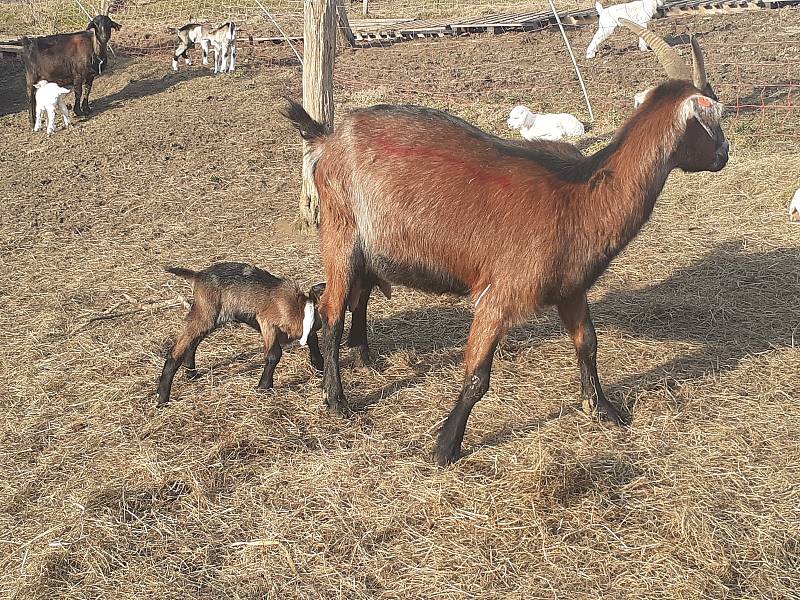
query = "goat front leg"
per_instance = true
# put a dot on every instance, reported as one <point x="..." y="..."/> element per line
<point x="314" y="352"/>
<point x="204" y="44"/>
<point x="273" y="352"/>
<point x="575" y="315"/>
<point x="486" y="331"/>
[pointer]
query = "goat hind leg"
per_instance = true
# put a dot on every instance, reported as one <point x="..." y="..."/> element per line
<point x="272" y="349"/>
<point x="38" y="124"/>
<point x="78" y="84"/>
<point x="358" y="324"/>
<point x="195" y="328"/>
<point x="484" y="334"/>
<point x="86" y="108"/>
<point x="338" y="256"/>
<point x="51" y="120"/>
<point x="64" y="112"/>
<point x="575" y="315"/>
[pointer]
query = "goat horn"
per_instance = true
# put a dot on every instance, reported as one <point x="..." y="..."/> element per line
<point x="698" y="66"/>
<point x="673" y="64"/>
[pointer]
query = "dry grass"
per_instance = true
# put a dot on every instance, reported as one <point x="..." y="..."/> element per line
<point x="233" y="494"/>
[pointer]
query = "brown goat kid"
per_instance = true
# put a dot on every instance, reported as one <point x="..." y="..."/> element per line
<point x="417" y="197"/>
<point x="233" y="292"/>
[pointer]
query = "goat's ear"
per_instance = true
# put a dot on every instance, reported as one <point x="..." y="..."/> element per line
<point x="92" y="25"/>
<point x="708" y="112"/>
<point x="316" y="291"/>
<point x="115" y="26"/>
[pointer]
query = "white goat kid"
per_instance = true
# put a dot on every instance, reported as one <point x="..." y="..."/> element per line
<point x="534" y="126"/>
<point x="223" y="39"/>
<point x="639" y="11"/>
<point x="188" y="36"/>
<point x="50" y="96"/>
<point x="794" y="207"/>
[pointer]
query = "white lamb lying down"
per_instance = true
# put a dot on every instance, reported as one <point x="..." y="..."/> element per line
<point x="534" y="126"/>
<point x="49" y="96"/>
<point x="794" y="207"/>
<point x="639" y="11"/>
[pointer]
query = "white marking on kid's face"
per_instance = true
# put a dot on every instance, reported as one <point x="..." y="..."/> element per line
<point x="308" y="322"/>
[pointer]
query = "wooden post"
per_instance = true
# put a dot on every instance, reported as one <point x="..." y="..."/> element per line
<point x="344" y="24"/>
<point x="319" y="35"/>
<point x="366" y="8"/>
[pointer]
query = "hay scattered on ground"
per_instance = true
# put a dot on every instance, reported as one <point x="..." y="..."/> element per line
<point x="229" y="493"/>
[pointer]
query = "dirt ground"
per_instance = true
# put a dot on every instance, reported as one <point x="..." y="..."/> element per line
<point x="229" y="493"/>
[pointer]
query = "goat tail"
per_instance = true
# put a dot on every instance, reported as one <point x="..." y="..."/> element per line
<point x="181" y="272"/>
<point x="232" y="31"/>
<point x="310" y="130"/>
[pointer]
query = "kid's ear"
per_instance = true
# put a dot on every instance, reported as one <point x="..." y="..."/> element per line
<point x="316" y="291"/>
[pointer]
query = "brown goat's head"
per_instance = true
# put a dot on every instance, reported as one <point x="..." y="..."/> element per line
<point x="103" y="25"/>
<point x="704" y="146"/>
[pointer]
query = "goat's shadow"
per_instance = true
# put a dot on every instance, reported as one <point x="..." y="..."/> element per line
<point x="734" y="304"/>
<point x="763" y="95"/>
<point x="12" y="88"/>
<point x="147" y="86"/>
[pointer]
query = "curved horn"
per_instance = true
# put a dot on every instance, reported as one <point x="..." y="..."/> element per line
<point x="673" y="64"/>
<point x="698" y="66"/>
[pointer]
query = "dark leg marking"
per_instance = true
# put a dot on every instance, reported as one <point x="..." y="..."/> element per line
<point x="315" y="354"/>
<point x="575" y="315"/>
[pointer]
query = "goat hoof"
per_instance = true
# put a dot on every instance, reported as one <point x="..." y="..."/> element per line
<point x="364" y="357"/>
<point x="604" y="411"/>
<point x="318" y="367"/>
<point x="264" y="387"/>
<point x="192" y="374"/>
<point x="444" y="456"/>
<point x="340" y="409"/>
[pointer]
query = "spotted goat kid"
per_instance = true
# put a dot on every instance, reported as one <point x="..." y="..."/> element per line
<point x="234" y="292"/>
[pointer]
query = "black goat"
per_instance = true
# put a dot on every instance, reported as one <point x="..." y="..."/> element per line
<point x="68" y="59"/>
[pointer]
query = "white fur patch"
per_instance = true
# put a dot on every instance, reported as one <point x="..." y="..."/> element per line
<point x="794" y="207"/>
<point x="708" y="112"/>
<point x="483" y="293"/>
<point x="308" y="322"/>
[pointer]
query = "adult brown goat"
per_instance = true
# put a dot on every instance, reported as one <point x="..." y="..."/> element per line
<point x="417" y="197"/>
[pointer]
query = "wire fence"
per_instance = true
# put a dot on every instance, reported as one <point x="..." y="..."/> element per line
<point x="753" y="58"/>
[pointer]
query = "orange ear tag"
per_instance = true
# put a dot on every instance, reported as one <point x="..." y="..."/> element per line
<point x="704" y="102"/>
